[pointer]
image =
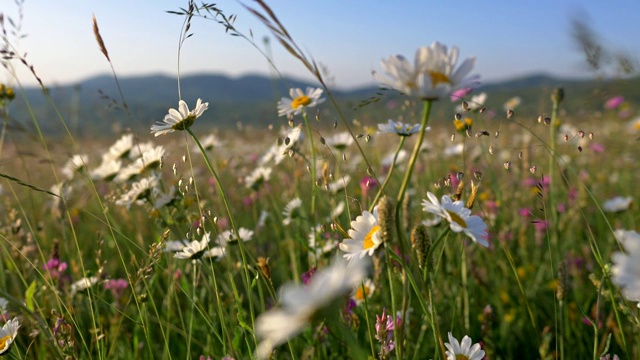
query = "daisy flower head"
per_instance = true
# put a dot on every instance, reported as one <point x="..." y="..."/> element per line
<point x="108" y="169"/>
<point x="139" y="193"/>
<point x="227" y="236"/>
<point x="75" y="165"/>
<point x="340" y="141"/>
<point x="260" y="175"/>
<point x="291" y="211"/>
<point x="180" y="119"/>
<point x="364" y="236"/>
<point x="8" y="334"/>
<point x="83" y="284"/>
<point x="617" y="204"/>
<point x="299" y="303"/>
<point x="626" y="265"/>
<point x="120" y="148"/>
<point x="433" y="74"/>
<point x="458" y="216"/>
<point x="365" y="290"/>
<point x="195" y="249"/>
<point x="338" y="184"/>
<point x="299" y="101"/>
<point x="463" y="350"/>
<point x="399" y="128"/>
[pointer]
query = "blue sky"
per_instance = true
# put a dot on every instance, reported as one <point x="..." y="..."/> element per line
<point x="350" y="37"/>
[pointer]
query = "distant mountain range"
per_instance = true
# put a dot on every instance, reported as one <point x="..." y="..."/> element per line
<point x="95" y="103"/>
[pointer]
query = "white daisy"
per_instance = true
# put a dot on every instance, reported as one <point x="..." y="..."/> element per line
<point x="340" y="141"/>
<point x="180" y="119"/>
<point x="299" y="101"/>
<point x="458" y="217"/>
<point x="399" y="128"/>
<point x="108" y="169"/>
<point x="139" y="193"/>
<point x="626" y="265"/>
<point x="358" y="295"/>
<point x="262" y="220"/>
<point x="140" y="149"/>
<point x="387" y="160"/>
<point x="617" y="204"/>
<point x="83" y="284"/>
<point x="463" y="350"/>
<point x="337" y="211"/>
<point x="432" y="75"/>
<point x="161" y="198"/>
<point x="8" y="334"/>
<point x="633" y="126"/>
<point x="291" y="211"/>
<point x="299" y="303"/>
<point x="257" y="177"/>
<point x="453" y="150"/>
<point x="120" y="148"/>
<point x="364" y="236"/>
<point x="195" y="249"/>
<point x="150" y="159"/>
<point x="75" y="165"/>
<point x="227" y="236"/>
<point x="339" y="184"/>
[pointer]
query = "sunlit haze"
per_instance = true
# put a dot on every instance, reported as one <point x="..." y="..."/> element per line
<point x="350" y="38"/>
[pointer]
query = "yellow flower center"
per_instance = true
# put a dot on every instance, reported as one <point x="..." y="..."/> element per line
<point x="300" y="101"/>
<point x="359" y="293"/>
<point x="461" y="357"/>
<point x="637" y="125"/>
<point x="457" y="219"/>
<point x="438" y="78"/>
<point x="411" y="84"/>
<point x="368" y="240"/>
<point x="3" y="342"/>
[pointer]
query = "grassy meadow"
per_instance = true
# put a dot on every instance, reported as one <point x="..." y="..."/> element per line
<point x="321" y="236"/>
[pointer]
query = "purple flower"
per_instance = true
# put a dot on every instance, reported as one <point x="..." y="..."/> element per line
<point x="460" y="94"/>
<point x="367" y="183"/>
<point x="597" y="148"/>
<point x="55" y="267"/>
<point x="116" y="286"/>
<point x="306" y="277"/>
<point x="614" y="102"/>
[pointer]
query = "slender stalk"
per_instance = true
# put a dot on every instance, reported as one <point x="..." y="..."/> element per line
<point x="193" y="305"/>
<point x="391" y="168"/>
<point x="556" y="97"/>
<point x="465" y="290"/>
<point x="407" y="177"/>
<point x="225" y="201"/>
<point x="312" y="148"/>
<point x="388" y="254"/>
<point x="416" y="151"/>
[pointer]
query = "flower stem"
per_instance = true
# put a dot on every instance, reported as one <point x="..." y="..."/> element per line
<point x="312" y="166"/>
<point x="407" y="177"/>
<point x="416" y="150"/>
<point x="225" y="201"/>
<point x="391" y="168"/>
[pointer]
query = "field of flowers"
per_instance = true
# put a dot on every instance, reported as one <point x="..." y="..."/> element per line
<point x="487" y="235"/>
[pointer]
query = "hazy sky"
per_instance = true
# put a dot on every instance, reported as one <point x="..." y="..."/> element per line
<point x="350" y="37"/>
